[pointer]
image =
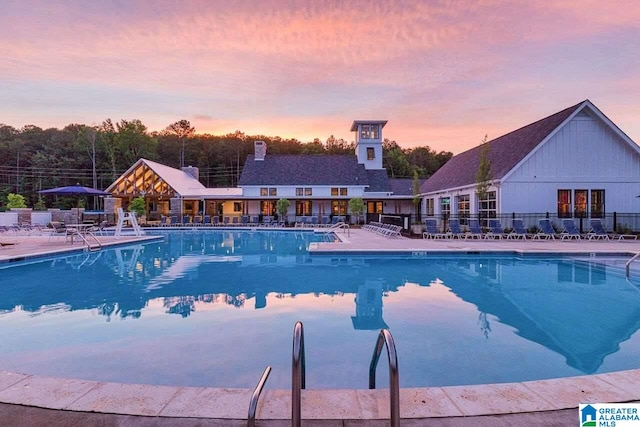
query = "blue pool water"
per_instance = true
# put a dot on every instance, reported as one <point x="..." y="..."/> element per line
<point x="214" y="308"/>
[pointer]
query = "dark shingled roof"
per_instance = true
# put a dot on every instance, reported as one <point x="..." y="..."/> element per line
<point x="504" y="153"/>
<point x="403" y="186"/>
<point x="378" y="181"/>
<point x="292" y="169"/>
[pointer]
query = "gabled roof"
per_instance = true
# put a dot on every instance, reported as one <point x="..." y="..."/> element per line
<point x="505" y="153"/>
<point x="403" y="186"/>
<point x="378" y="181"/>
<point x="306" y="169"/>
<point x="181" y="182"/>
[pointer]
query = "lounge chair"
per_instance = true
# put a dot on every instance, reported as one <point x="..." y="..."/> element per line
<point x="495" y="230"/>
<point x="570" y="230"/>
<point x="597" y="231"/>
<point x="475" y="231"/>
<point x="254" y="221"/>
<point x="215" y="220"/>
<point x="454" y="229"/>
<point x="186" y="220"/>
<point x="7" y="244"/>
<point x="546" y="231"/>
<point x="244" y="220"/>
<point x="225" y="221"/>
<point x="432" y="231"/>
<point x="518" y="232"/>
<point x="197" y="220"/>
<point x="206" y="221"/>
<point x="325" y="221"/>
<point x="235" y="221"/>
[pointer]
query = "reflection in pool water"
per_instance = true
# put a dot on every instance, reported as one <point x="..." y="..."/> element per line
<point x="213" y="308"/>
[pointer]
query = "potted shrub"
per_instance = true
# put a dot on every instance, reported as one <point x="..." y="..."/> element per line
<point x="356" y="206"/>
<point x="139" y="206"/>
<point x="282" y="207"/>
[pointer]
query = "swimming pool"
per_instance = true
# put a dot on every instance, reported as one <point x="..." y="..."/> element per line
<point x="214" y="308"/>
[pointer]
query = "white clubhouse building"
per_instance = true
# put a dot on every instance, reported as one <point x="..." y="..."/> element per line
<point x="575" y="163"/>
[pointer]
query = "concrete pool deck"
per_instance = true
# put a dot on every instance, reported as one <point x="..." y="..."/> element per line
<point x="35" y="400"/>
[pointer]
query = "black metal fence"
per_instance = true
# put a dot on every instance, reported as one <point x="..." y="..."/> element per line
<point x="618" y="222"/>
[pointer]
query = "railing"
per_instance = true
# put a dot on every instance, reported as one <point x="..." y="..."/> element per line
<point x="385" y="338"/>
<point x="346" y="227"/>
<point x="297" y="375"/>
<point x="253" y="404"/>
<point x="83" y="236"/>
<point x="628" y="264"/>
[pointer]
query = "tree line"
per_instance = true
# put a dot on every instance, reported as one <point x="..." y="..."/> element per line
<point x="33" y="159"/>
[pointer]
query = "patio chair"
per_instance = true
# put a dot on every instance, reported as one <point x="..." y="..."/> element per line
<point x="495" y="230"/>
<point x="302" y="222"/>
<point x="186" y="220"/>
<point x="314" y="221"/>
<point x="570" y="230"/>
<point x="197" y="220"/>
<point x="597" y="231"/>
<point x="454" y="229"/>
<point x="215" y="220"/>
<point x="173" y="221"/>
<point x="518" y="232"/>
<point x="266" y="221"/>
<point x="244" y="220"/>
<point x="475" y="231"/>
<point x="206" y="220"/>
<point x="325" y="221"/>
<point x="432" y="231"/>
<point x="255" y="220"/>
<point x="225" y="221"/>
<point x="546" y="230"/>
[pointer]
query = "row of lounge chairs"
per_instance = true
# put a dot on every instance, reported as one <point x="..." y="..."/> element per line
<point x="245" y="221"/>
<point x="495" y="231"/>
<point x="386" y="230"/>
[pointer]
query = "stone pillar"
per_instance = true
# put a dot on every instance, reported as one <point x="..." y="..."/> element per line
<point x="111" y="205"/>
<point x="175" y="206"/>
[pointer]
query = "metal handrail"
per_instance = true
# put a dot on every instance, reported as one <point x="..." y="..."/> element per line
<point x="86" y="242"/>
<point x="339" y="225"/>
<point x="253" y="403"/>
<point x="628" y="264"/>
<point x="384" y="337"/>
<point x="297" y="375"/>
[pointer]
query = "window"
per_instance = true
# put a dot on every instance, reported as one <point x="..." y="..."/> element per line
<point x="371" y="154"/>
<point x="308" y="192"/>
<point x="273" y="191"/>
<point x="430" y="205"/>
<point x="580" y="203"/>
<point x="264" y="191"/>
<point x="597" y="203"/>
<point x="334" y="191"/>
<point x="464" y="206"/>
<point x="445" y="206"/>
<point x="487" y="207"/>
<point x="237" y="206"/>
<point x="564" y="203"/>
<point x="304" y="191"/>
<point x="268" y="207"/>
<point x="339" y="207"/>
<point x="299" y="191"/>
<point x="342" y="191"/>
<point x="303" y="207"/>
<point x="369" y="132"/>
<point x="374" y="207"/>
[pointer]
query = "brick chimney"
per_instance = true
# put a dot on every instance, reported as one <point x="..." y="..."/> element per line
<point x="259" y="149"/>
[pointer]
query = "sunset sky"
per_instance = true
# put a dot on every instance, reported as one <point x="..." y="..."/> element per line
<point x="443" y="73"/>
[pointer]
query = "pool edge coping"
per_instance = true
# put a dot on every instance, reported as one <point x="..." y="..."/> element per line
<point x="77" y="395"/>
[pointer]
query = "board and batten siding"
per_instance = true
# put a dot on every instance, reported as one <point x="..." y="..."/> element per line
<point x="583" y="154"/>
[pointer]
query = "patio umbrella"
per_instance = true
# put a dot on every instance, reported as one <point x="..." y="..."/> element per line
<point x="75" y="190"/>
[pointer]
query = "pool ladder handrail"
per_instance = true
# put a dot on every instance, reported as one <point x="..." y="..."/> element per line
<point x="346" y="228"/>
<point x="628" y="264"/>
<point x="385" y="338"/>
<point x="253" y="403"/>
<point x="298" y="374"/>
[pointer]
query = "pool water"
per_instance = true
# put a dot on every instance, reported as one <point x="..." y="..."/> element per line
<point x="213" y="308"/>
